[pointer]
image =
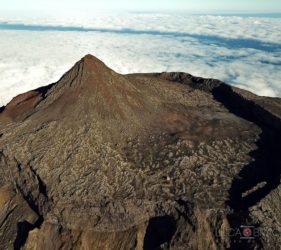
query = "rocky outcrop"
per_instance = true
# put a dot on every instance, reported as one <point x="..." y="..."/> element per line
<point x="100" y="160"/>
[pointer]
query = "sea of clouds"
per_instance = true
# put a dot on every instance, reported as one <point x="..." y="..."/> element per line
<point x="243" y="51"/>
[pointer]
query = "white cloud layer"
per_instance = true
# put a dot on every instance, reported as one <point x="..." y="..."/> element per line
<point x="242" y="51"/>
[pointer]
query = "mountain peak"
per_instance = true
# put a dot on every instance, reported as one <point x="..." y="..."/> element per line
<point x="90" y="57"/>
<point x="88" y="87"/>
<point x="86" y="73"/>
<point x="93" y="63"/>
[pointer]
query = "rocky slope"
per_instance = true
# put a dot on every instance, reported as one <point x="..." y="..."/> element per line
<point x="100" y="160"/>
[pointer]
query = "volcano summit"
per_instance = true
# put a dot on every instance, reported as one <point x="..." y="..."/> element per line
<point x="100" y="160"/>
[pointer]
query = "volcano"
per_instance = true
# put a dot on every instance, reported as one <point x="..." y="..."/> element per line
<point x="100" y="160"/>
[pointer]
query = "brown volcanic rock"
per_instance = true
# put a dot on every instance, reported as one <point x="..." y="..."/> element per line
<point x="100" y="160"/>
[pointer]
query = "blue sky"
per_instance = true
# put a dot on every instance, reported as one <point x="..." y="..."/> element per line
<point x="144" y="5"/>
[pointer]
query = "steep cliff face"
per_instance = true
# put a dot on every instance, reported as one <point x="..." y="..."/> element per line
<point x="100" y="160"/>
